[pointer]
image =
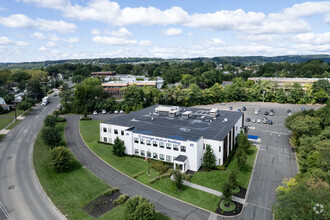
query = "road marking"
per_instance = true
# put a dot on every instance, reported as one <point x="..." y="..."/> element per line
<point x="5" y="211"/>
<point x="260" y="206"/>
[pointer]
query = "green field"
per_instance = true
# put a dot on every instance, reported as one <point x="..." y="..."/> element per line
<point x="4" y="122"/>
<point x="132" y="165"/>
<point x="215" y="178"/>
<point x="70" y="191"/>
<point x="12" y="113"/>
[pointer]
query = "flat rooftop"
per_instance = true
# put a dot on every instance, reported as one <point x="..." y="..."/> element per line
<point x="200" y="124"/>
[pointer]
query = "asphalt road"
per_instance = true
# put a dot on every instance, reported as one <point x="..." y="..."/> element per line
<point x="21" y="195"/>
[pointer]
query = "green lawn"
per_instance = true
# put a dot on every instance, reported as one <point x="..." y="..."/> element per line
<point x="4" y="122"/>
<point x="1" y="136"/>
<point x="215" y="178"/>
<point x="132" y="165"/>
<point x="71" y="190"/>
<point x="12" y="113"/>
<point x="14" y="124"/>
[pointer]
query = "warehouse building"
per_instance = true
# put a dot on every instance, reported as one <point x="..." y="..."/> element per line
<point x="175" y="134"/>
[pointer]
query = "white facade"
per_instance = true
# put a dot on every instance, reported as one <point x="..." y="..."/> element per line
<point x="166" y="149"/>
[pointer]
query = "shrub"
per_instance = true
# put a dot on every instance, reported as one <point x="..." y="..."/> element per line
<point x="61" y="159"/>
<point x="50" y="121"/>
<point x="85" y="118"/>
<point x="178" y="179"/>
<point x="159" y="166"/>
<point x="61" y="119"/>
<point x="154" y="180"/>
<point x="139" y="208"/>
<point x="138" y="174"/>
<point x="220" y="167"/>
<point x="51" y="136"/>
<point x="166" y="175"/>
<point x="171" y="171"/>
<point x="109" y="192"/>
<point x="120" y="200"/>
<point x="187" y="177"/>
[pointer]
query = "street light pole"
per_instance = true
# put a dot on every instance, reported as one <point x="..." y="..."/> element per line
<point x="263" y="96"/>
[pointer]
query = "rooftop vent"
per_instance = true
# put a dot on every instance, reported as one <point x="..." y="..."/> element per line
<point x="225" y="120"/>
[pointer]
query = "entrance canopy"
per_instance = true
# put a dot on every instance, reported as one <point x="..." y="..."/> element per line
<point x="181" y="160"/>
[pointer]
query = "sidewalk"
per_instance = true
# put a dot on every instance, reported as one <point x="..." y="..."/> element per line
<point x="208" y="190"/>
<point x="5" y="130"/>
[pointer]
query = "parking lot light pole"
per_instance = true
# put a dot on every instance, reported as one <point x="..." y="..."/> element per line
<point x="263" y="96"/>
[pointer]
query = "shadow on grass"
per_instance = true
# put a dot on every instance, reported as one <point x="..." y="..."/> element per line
<point x="249" y="151"/>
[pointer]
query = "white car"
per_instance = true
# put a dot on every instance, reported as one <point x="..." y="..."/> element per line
<point x="104" y="111"/>
<point x="121" y="112"/>
<point x="259" y="120"/>
<point x="95" y="112"/>
<point x="116" y="112"/>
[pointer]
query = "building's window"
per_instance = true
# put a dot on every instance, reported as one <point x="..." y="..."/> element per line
<point x="109" y="130"/>
<point x="168" y="158"/>
<point x="168" y="146"/>
<point x="154" y="143"/>
<point x="148" y="154"/>
<point x="137" y="151"/>
<point x="105" y="139"/>
<point x="104" y="129"/>
<point x="142" y="152"/>
<point x="161" y="156"/>
<point x="116" y="131"/>
<point x="136" y="140"/>
<point x="219" y="161"/>
<point x="155" y="155"/>
<point x="175" y="147"/>
<point x="122" y="133"/>
<point x="219" y="148"/>
<point x="148" y="142"/>
<point x="161" y="144"/>
<point x="183" y="148"/>
<point x="204" y="146"/>
<point x="141" y="141"/>
<point x="110" y="140"/>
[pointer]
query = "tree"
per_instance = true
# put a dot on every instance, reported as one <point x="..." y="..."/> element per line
<point x="208" y="158"/>
<point x="52" y="137"/>
<point x="241" y="160"/>
<point x="24" y="105"/>
<point x="178" y="179"/>
<point x="227" y="191"/>
<point x="118" y="148"/>
<point x="50" y="121"/>
<point x="61" y="159"/>
<point x="138" y="208"/>
<point x="232" y="179"/>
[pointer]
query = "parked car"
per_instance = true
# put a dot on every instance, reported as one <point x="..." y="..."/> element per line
<point x="256" y="112"/>
<point x="266" y="113"/>
<point x="110" y="112"/>
<point x="248" y="119"/>
<point x="303" y="109"/>
<point x="270" y="122"/>
<point x="271" y="113"/>
<point x="259" y="120"/>
<point x="116" y="112"/>
<point x="94" y="112"/>
<point x="230" y="108"/>
<point x="258" y="109"/>
<point x="264" y="120"/>
<point x="244" y="108"/>
<point x="121" y="112"/>
<point x="239" y="110"/>
<point x="104" y="111"/>
<point x="289" y="112"/>
<point x="253" y="120"/>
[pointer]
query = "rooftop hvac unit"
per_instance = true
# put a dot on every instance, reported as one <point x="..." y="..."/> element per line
<point x="225" y="120"/>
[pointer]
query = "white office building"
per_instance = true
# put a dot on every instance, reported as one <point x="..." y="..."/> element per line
<point x="175" y="134"/>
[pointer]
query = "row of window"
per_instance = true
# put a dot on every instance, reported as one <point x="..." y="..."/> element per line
<point x="115" y="131"/>
<point x="154" y="155"/>
<point x="160" y="144"/>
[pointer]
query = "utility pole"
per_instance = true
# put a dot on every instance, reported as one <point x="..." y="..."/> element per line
<point x="263" y="96"/>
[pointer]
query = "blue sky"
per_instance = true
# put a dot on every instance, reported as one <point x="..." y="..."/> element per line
<point x="37" y="30"/>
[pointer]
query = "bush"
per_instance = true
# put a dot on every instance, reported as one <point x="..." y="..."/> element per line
<point x="118" y="148"/>
<point x="120" y="200"/>
<point x="61" y="159"/>
<point x="61" y="119"/>
<point x="187" y="177"/>
<point x="159" y="166"/>
<point x="50" y="121"/>
<point x="154" y="180"/>
<point x="109" y="192"/>
<point x="139" y="208"/>
<point x="166" y="175"/>
<point x="138" y="174"/>
<point x="220" y="167"/>
<point x="51" y="136"/>
<point x="178" y="179"/>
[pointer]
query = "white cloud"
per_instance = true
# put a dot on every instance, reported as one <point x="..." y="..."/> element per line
<point x="3" y="9"/>
<point x="22" y="43"/>
<point x="51" y="44"/>
<point x="95" y="32"/>
<point x="315" y="39"/>
<point x="56" y="4"/>
<point x="215" y="41"/>
<point x="122" y="32"/>
<point x="42" y="49"/>
<point x="5" y="41"/>
<point x="72" y="40"/>
<point x="22" y="21"/>
<point x="327" y="19"/>
<point x="146" y="43"/>
<point x="38" y="35"/>
<point x="190" y="34"/>
<point x="113" y="40"/>
<point x="173" y="31"/>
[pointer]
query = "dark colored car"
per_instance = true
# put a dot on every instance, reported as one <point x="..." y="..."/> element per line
<point x="289" y="111"/>
<point x="230" y="108"/>
<point x="271" y="113"/>
<point x="303" y="109"/>
<point x="248" y="119"/>
<point x="264" y="120"/>
<point x="239" y="110"/>
<point x="270" y="122"/>
<point x="244" y="108"/>
<point x="266" y="113"/>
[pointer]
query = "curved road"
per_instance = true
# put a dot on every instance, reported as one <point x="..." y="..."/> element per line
<point x="21" y="195"/>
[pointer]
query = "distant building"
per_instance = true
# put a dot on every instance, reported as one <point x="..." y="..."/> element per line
<point x="3" y="104"/>
<point x="175" y="134"/>
<point x="105" y="74"/>
<point x="112" y="88"/>
<point x="226" y="83"/>
<point x="282" y="81"/>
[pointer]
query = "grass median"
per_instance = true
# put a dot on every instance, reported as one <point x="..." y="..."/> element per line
<point x="4" y="122"/>
<point x="131" y="165"/>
